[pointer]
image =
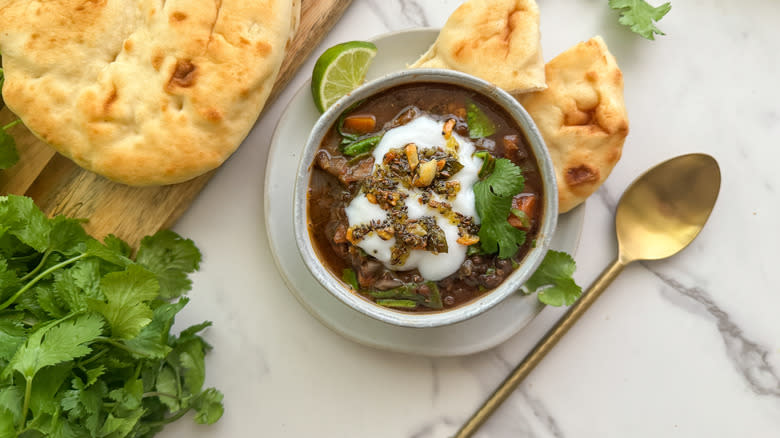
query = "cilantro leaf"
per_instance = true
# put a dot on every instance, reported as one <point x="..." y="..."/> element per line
<point x="49" y="300"/>
<point x="117" y="245"/>
<point x="8" y="153"/>
<point x="152" y="341"/>
<point x="67" y="236"/>
<point x="189" y="357"/>
<point x="107" y="254"/>
<point x="192" y="331"/>
<point x="12" y="336"/>
<point x="56" y="343"/>
<point x="493" y="199"/>
<point x="120" y="427"/>
<point x="640" y="16"/>
<point x="480" y="125"/>
<point x="553" y="280"/>
<point x="46" y="384"/>
<point x="127" y="295"/>
<point x="6" y="424"/>
<point x="20" y="217"/>
<point x="94" y="373"/>
<point x="84" y="404"/>
<point x="129" y="397"/>
<point x="171" y="258"/>
<point x="80" y="283"/>
<point x="9" y="282"/>
<point x="208" y="406"/>
<point x="11" y="401"/>
<point x="168" y="383"/>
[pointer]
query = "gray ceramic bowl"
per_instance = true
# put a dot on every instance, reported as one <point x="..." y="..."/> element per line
<point x="433" y="319"/>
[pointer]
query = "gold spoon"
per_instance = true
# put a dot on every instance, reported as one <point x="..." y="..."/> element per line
<point x="659" y="214"/>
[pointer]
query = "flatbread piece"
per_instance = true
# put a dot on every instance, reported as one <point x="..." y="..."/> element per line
<point x="496" y="40"/>
<point x="582" y="118"/>
<point x="144" y="92"/>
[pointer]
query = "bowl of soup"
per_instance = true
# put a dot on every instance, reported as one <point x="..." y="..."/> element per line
<point x="401" y="193"/>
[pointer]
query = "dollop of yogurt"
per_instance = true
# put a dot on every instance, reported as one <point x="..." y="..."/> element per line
<point x="425" y="132"/>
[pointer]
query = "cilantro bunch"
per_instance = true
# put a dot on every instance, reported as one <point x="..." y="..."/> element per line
<point x="85" y="343"/>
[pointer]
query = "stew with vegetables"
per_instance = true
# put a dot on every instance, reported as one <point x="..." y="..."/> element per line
<point x="424" y="197"/>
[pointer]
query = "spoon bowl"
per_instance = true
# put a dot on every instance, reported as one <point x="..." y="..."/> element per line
<point x="659" y="214"/>
<point x="664" y="209"/>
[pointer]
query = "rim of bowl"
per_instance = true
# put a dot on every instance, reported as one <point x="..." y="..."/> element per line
<point x="478" y="305"/>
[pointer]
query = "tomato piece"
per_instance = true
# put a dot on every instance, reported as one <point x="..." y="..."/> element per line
<point x="526" y="204"/>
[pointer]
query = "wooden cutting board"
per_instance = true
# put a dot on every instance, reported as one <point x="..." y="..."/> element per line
<point x="60" y="187"/>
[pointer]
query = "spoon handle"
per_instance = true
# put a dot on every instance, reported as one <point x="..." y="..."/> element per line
<point x="541" y="349"/>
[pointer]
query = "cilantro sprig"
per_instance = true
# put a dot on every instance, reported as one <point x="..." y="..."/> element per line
<point x="85" y="342"/>
<point x="500" y="181"/>
<point x="552" y="281"/>
<point x="493" y="196"/>
<point x="640" y="16"/>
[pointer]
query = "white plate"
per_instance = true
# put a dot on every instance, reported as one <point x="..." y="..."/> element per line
<point x="487" y="330"/>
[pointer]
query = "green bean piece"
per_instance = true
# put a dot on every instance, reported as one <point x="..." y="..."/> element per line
<point x="405" y="304"/>
<point x="347" y="137"/>
<point x="358" y="158"/>
<point x="349" y="277"/>
<point x="488" y="164"/>
<point x="362" y="146"/>
<point x="435" y="301"/>
<point x="400" y="292"/>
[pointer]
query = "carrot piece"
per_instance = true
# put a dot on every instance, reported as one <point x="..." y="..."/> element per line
<point x="360" y="123"/>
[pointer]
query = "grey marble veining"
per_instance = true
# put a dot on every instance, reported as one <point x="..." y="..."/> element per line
<point x="749" y="358"/>
<point x="401" y="14"/>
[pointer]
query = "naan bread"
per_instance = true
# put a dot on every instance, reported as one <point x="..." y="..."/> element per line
<point x="145" y="92"/>
<point x="496" y="40"/>
<point x="582" y="118"/>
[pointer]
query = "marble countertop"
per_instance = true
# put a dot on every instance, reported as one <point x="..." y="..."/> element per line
<point x="686" y="347"/>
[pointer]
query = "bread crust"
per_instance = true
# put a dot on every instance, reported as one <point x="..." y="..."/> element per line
<point x="496" y="40"/>
<point x="582" y="118"/>
<point x="147" y="92"/>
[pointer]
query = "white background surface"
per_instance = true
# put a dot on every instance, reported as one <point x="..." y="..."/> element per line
<point x="688" y="347"/>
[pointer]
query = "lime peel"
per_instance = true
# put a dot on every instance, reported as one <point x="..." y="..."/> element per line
<point x="339" y="70"/>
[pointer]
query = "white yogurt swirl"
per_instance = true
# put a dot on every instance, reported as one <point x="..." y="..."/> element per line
<point x="426" y="133"/>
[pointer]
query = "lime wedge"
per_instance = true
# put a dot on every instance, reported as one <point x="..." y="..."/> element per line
<point x="339" y="70"/>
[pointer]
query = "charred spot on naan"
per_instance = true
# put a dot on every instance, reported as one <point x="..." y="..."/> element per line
<point x="262" y="48"/>
<point x="582" y="174"/>
<point x="184" y="74"/>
